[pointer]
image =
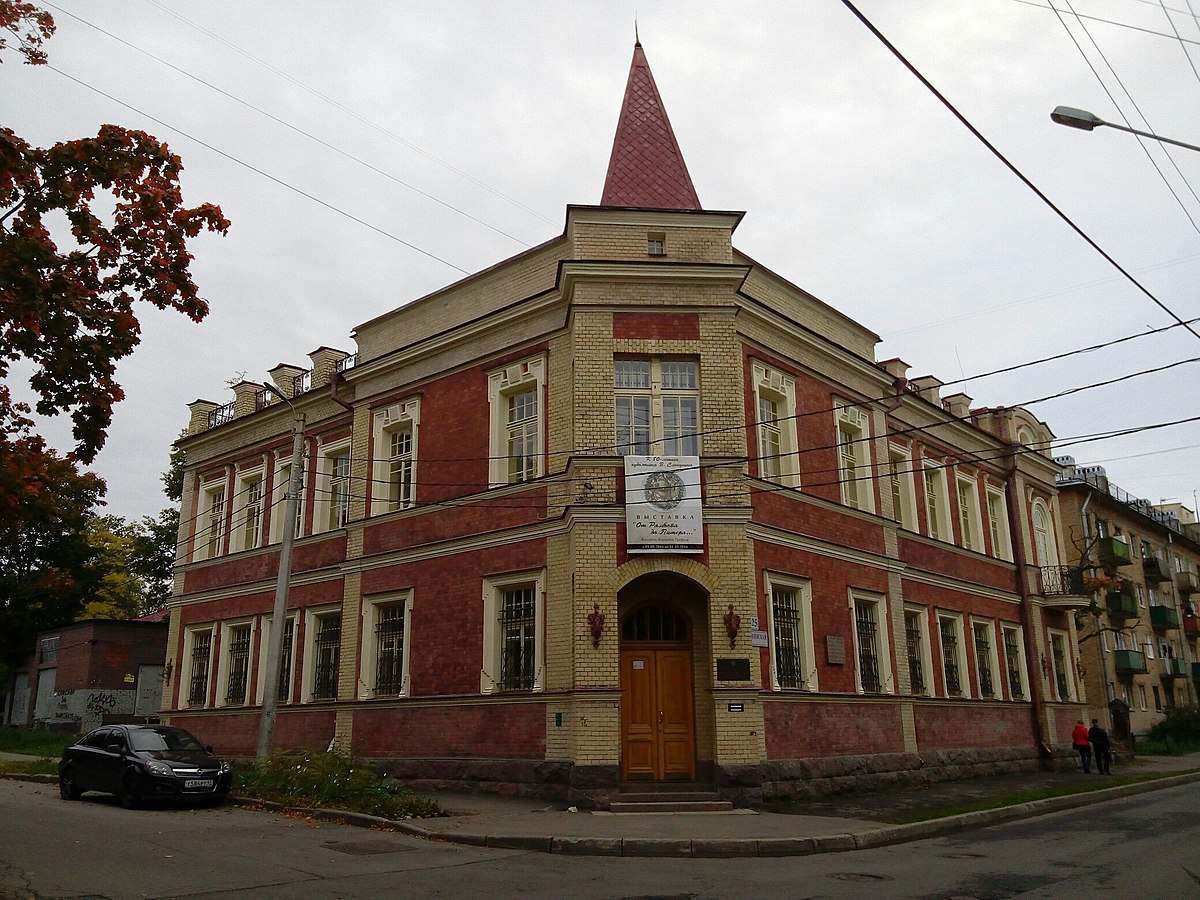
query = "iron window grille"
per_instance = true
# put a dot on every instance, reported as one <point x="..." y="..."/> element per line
<point x="983" y="661"/>
<point x="239" y="664"/>
<point x="868" y="646"/>
<point x="1060" y="667"/>
<point x="285" y="663"/>
<point x="1012" y="655"/>
<point x="327" y="649"/>
<point x="389" y="649"/>
<point x="950" y="658"/>
<point x="785" y="613"/>
<point x="916" y="666"/>
<point x="198" y="680"/>
<point x="654" y="623"/>
<point x="518" y="640"/>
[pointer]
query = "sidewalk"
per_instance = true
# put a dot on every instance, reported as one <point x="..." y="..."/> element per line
<point x="831" y="825"/>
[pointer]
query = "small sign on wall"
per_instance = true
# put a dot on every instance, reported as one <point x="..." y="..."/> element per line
<point x="835" y="650"/>
<point x="733" y="669"/>
<point x="758" y="639"/>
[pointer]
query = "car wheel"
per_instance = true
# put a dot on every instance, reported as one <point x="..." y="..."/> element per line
<point x="67" y="788"/>
<point x="131" y="797"/>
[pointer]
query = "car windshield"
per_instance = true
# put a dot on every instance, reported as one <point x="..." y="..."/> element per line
<point x="163" y="739"/>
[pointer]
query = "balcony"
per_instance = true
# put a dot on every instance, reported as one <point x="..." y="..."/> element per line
<point x="1163" y="617"/>
<point x="1196" y="671"/>
<point x="1112" y="552"/>
<point x="1063" y="588"/>
<point x="1121" y="604"/>
<point x="1174" y="668"/>
<point x="1191" y="626"/>
<point x="1154" y="570"/>
<point x="1130" y="662"/>
<point x="1186" y="583"/>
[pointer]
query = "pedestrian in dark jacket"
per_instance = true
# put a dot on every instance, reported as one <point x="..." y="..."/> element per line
<point x="1101" y="748"/>
<point x="1079" y="740"/>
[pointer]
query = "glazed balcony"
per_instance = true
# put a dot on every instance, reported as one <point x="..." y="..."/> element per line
<point x="1121" y="604"/>
<point x="1130" y="662"/>
<point x="1174" y="668"/>
<point x="1063" y="588"/>
<point x="1154" y="570"/>
<point x="1163" y="617"/>
<point x="1191" y="626"/>
<point x="1186" y="583"/>
<point x="1113" y="552"/>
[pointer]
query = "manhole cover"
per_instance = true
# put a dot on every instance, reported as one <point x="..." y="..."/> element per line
<point x="858" y="876"/>
<point x="364" y="848"/>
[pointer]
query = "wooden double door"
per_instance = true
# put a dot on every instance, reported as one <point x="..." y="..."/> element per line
<point x="658" y="741"/>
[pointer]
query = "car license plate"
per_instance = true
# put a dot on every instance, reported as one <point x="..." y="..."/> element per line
<point x="195" y="784"/>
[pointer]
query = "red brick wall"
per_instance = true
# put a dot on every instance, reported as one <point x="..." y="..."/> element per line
<point x="808" y="728"/>
<point x="309" y="554"/>
<point x="656" y="326"/>
<point x="944" y="561"/>
<point x="236" y="734"/>
<point x="797" y="515"/>
<point x="482" y="517"/>
<point x="500" y="730"/>
<point x="942" y="726"/>
<point x="101" y="654"/>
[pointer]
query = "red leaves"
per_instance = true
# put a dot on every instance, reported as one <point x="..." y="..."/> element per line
<point x="30" y="25"/>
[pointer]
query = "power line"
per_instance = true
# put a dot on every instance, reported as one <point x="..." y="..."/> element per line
<point x="1150" y="31"/>
<point x="1011" y="167"/>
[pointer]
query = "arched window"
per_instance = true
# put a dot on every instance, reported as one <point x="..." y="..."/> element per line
<point x="1043" y="536"/>
<point x="654" y="623"/>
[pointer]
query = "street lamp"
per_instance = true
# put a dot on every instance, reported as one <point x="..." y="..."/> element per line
<point x="1086" y="121"/>
<point x="270" y="704"/>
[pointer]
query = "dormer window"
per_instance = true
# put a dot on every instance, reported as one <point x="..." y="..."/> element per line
<point x="656" y="245"/>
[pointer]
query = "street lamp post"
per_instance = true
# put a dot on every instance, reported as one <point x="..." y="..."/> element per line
<point x="1086" y="121"/>
<point x="270" y="703"/>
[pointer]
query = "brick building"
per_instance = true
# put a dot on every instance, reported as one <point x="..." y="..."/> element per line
<point x="1138" y="644"/>
<point x="625" y="507"/>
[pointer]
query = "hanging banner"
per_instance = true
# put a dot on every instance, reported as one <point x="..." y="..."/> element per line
<point x="663" y="510"/>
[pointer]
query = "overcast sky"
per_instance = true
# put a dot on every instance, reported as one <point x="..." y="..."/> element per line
<point x="463" y="129"/>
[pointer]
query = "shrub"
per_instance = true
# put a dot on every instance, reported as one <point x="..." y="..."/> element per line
<point x="330" y="780"/>
<point x="1180" y="725"/>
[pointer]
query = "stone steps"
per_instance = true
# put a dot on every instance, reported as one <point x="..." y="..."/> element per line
<point x="676" y="800"/>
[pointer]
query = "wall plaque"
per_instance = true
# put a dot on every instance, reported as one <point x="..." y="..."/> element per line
<point x="835" y="649"/>
<point x="733" y="670"/>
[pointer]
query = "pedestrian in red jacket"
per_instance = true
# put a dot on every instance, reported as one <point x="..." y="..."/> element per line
<point x="1079" y="740"/>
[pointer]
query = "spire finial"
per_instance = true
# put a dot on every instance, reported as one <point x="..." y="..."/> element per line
<point x="637" y="41"/>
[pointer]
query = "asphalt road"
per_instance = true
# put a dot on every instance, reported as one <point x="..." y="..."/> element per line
<point x="1139" y="847"/>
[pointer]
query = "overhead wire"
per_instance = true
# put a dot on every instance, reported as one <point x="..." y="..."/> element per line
<point x="1104" y="21"/>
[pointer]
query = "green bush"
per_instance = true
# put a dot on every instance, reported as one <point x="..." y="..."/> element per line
<point x="35" y="743"/>
<point x="330" y="780"/>
<point x="1180" y="725"/>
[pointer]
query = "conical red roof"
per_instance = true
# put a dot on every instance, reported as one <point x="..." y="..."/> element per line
<point x="646" y="168"/>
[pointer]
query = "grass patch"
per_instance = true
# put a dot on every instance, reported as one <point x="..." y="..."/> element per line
<point x="28" y="767"/>
<point x="330" y="780"/>
<point x="34" y="743"/>
<point x="1065" y="790"/>
<point x="1167" y="747"/>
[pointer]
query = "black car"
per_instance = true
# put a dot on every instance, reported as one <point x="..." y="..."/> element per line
<point x="142" y="762"/>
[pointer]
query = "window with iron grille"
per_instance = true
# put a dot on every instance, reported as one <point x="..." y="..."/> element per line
<point x="914" y="636"/>
<point x="867" y="630"/>
<point x="518" y="638"/>
<point x="389" y="648"/>
<point x="983" y="659"/>
<point x="239" y="664"/>
<point x="951" y="668"/>
<point x="285" y="662"/>
<point x="198" y="668"/>
<point x="787" y="620"/>
<point x="1012" y="657"/>
<point x="1058" y="651"/>
<point x="326" y="650"/>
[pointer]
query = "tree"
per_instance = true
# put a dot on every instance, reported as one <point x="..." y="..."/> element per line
<point x="154" y="546"/>
<point x="70" y="310"/>
<point x="114" y="590"/>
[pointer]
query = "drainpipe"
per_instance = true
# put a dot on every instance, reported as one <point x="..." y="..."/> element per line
<point x="335" y="379"/>
<point x="1031" y="656"/>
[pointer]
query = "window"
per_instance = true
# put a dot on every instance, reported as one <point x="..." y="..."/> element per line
<point x="1142" y="696"/>
<point x="248" y="512"/>
<point x="1014" y="661"/>
<point x="211" y="537"/>
<point x="49" y="649"/>
<point x="197" y="654"/>
<point x="937" y="508"/>
<point x="1043" y="535"/>
<point x="513" y="650"/>
<point x="985" y="658"/>
<point x="953" y="659"/>
<point x="325" y="643"/>
<point x="904" y="504"/>
<point x="656" y="407"/>
<point x="286" y="657"/>
<point x="394" y="477"/>
<point x="233" y="676"/>
<point x="775" y="401"/>
<point x="790" y="633"/>
<point x="854" y="456"/>
<point x="997" y="510"/>
<point x="1157" y="698"/>
<point x="1060" y="663"/>
<point x="283" y="476"/>
<point x="873" y="674"/>
<point x="333" y="488"/>
<point x="516" y="398"/>
<point x="385" y="646"/>
<point x="916" y="636"/>
<point x="656" y="244"/>
<point x="970" y="529"/>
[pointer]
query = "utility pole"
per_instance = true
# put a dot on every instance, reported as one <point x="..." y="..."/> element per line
<point x="270" y="703"/>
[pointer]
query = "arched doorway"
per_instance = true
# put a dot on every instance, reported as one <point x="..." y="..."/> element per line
<point x="658" y="722"/>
